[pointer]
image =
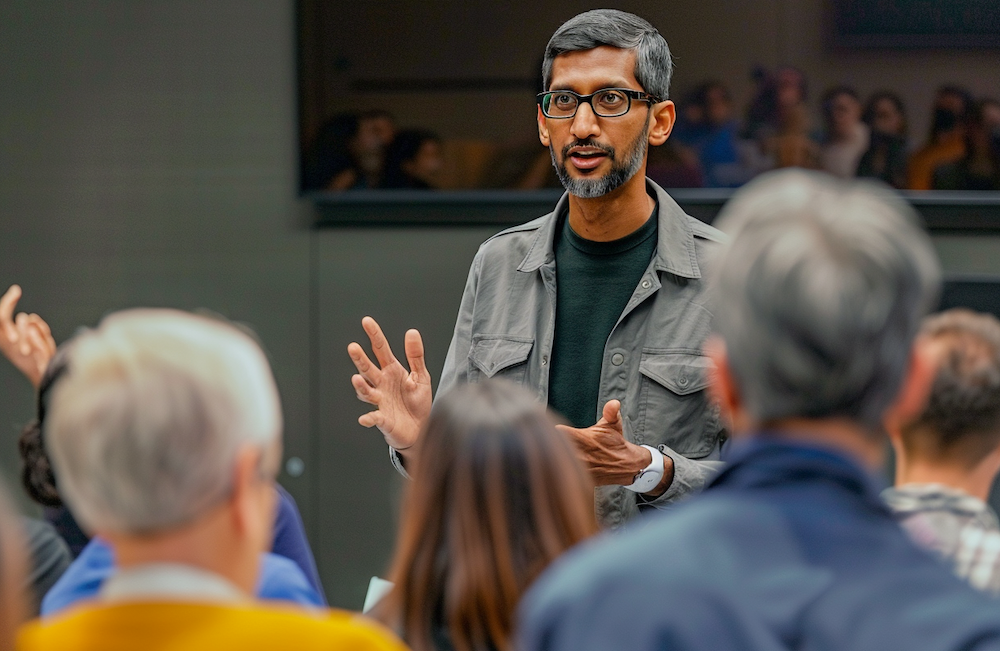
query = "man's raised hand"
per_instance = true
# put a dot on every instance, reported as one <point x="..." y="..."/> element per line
<point x="26" y="339"/>
<point x="402" y="398"/>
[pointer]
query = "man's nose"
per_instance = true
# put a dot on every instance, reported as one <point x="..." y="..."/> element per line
<point x="585" y="123"/>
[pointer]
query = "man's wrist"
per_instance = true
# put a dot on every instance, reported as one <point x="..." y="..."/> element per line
<point x="650" y="473"/>
<point x="665" y="480"/>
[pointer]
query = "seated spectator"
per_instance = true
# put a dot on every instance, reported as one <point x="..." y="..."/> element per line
<point x="946" y="142"/>
<point x="413" y="160"/>
<point x="29" y="345"/>
<point x="778" y="120"/>
<point x="846" y="137"/>
<point x="818" y="296"/>
<point x="706" y="125"/>
<point x="348" y="152"/>
<point x="948" y="457"/>
<point x="496" y="496"/>
<point x="979" y="167"/>
<point x="886" y="157"/>
<point x="165" y="436"/>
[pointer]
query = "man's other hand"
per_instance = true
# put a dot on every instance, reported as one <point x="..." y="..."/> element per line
<point x="611" y="459"/>
<point x="26" y="339"/>
<point x="402" y="398"/>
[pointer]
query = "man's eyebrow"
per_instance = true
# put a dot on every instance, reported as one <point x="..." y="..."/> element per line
<point x="616" y="83"/>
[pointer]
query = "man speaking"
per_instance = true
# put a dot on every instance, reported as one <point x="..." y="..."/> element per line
<point x="598" y="307"/>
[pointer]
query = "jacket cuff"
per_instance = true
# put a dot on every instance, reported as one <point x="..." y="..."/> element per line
<point x="690" y="476"/>
<point x="397" y="462"/>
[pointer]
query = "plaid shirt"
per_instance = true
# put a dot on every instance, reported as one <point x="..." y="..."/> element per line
<point x="960" y="527"/>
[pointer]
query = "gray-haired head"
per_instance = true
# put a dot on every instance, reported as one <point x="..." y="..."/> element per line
<point x="619" y="29"/>
<point x="145" y="428"/>
<point x="818" y="296"/>
<point x="961" y="421"/>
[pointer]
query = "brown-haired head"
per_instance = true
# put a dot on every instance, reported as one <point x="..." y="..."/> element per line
<point x="496" y="496"/>
<point x="961" y="422"/>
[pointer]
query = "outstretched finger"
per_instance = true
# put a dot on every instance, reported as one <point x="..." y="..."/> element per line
<point x="368" y="371"/>
<point x="611" y="414"/>
<point x="21" y="323"/>
<point x="7" y="304"/>
<point x="372" y="419"/>
<point x="380" y="345"/>
<point x="44" y="332"/>
<point x="413" y="345"/>
<point x="365" y="391"/>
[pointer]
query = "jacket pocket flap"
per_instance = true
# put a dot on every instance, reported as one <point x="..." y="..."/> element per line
<point x="493" y="354"/>
<point x="682" y="373"/>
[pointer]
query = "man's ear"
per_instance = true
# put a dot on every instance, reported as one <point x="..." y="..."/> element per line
<point x="662" y="118"/>
<point x="543" y="128"/>
<point x="250" y="507"/>
<point x="916" y="387"/>
<point x="722" y="386"/>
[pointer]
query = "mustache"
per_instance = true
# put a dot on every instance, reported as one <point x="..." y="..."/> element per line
<point x="610" y="151"/>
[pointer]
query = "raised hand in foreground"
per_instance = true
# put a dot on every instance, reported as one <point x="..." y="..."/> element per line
<point x="402" y="398"/>
<point x="26" y="339"/>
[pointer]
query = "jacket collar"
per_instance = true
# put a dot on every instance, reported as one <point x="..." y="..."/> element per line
<point x="769" y="460"/>
<point x="675" y="247"/>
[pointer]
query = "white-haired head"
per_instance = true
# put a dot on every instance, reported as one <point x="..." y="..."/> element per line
<point x="145" y="428"/>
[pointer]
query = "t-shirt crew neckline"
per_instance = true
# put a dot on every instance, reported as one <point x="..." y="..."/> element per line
<point x="614" y="247"/>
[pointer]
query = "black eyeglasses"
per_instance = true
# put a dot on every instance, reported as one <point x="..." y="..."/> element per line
<point x="606" y="103"/>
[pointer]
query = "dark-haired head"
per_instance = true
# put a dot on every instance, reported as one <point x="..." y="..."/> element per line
<point x="412" y="159"/>
<point x="37" y="476"/>
<point x="496" y="496"/>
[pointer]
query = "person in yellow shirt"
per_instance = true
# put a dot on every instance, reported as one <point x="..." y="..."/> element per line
<point x="165" y="436"/>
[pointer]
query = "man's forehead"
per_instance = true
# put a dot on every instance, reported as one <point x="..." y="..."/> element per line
<point x="600" y="67"/>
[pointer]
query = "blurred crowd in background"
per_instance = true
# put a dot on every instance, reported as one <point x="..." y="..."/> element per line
<point x="711" y="146"/>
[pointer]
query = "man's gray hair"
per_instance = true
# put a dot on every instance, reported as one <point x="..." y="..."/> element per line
<point x="962" y="415"/>
<point x="619" y="29"/>
<point x="145" y="428"/>
<point x="818" y="295"/>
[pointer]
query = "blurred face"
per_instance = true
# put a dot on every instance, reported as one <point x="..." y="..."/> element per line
<point x="717" y="106"/>
<point x="789" y="83"/>
<point x="593" y="155"/>
<point x="426" y="164"/>
<point x="951" y="102"/>
<point x="991" y="116"/>
<point x="845" y="114"/>
<point x="886" y="119"/>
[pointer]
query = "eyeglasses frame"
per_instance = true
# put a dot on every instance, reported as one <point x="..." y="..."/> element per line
<point x="630" y="93"/>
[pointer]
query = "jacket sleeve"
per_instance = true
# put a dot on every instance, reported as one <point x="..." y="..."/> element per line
<point x="690" y="476"/>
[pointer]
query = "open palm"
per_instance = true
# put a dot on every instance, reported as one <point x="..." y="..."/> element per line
<point x="402" y="398"/>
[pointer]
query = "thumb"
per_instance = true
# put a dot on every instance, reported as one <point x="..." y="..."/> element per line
<point x="611" y="415"/>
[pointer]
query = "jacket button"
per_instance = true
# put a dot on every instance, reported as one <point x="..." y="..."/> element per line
<point x="617" y="359"/>
<point x="545" y="360"/>
<point x="646" y="284"/>
<point x="682" y="381"/>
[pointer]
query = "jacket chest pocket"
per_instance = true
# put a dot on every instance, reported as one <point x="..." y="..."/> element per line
<point x="674" y="406"/>
<point x="499" y="356"/>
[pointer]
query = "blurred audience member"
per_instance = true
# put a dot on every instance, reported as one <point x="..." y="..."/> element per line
<point x="348" y="152"/>
<point x="846" y="137"/>
<point x="27" y="342"/>
<point x="13" y="561"/>
<point x="817" y="299"/>
<point x="165" y="437"/>
<point x="497" y="495"/>
<point x="946" y="142"/>
<point x="672" y="166"/>
<point x="413" y="160"/>
<point x="979" y="168"/>
<point x="948" y="457"/>
<point x="707" y="126"/>
<point x="778" y="119"/>
<point x="886" y="157"/>
<point x="991" y="114"/>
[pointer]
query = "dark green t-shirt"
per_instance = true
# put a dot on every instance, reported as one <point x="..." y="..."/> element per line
<point x="594" y="282"/>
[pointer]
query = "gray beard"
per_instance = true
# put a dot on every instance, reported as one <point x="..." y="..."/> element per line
<point x="619" y="175"/>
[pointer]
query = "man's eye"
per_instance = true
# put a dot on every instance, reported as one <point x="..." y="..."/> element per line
<point x="611" y="100"/>
<point x="563" y="101"/>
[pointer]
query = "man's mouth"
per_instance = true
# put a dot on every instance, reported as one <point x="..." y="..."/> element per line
<point x="586" y="158"/>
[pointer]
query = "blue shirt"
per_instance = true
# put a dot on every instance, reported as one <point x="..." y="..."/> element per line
<point x="789" y="547"/>
<point x="280" y="579"/>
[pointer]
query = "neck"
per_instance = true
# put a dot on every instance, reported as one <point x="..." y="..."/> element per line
<point x="839" y="434"/>
<point x="614" y="215"/>
<point x="975" y="481"/>
<point x="207" y="544"/>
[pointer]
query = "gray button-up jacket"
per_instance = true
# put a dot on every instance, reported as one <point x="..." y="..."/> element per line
<point x="653" y="361"/>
